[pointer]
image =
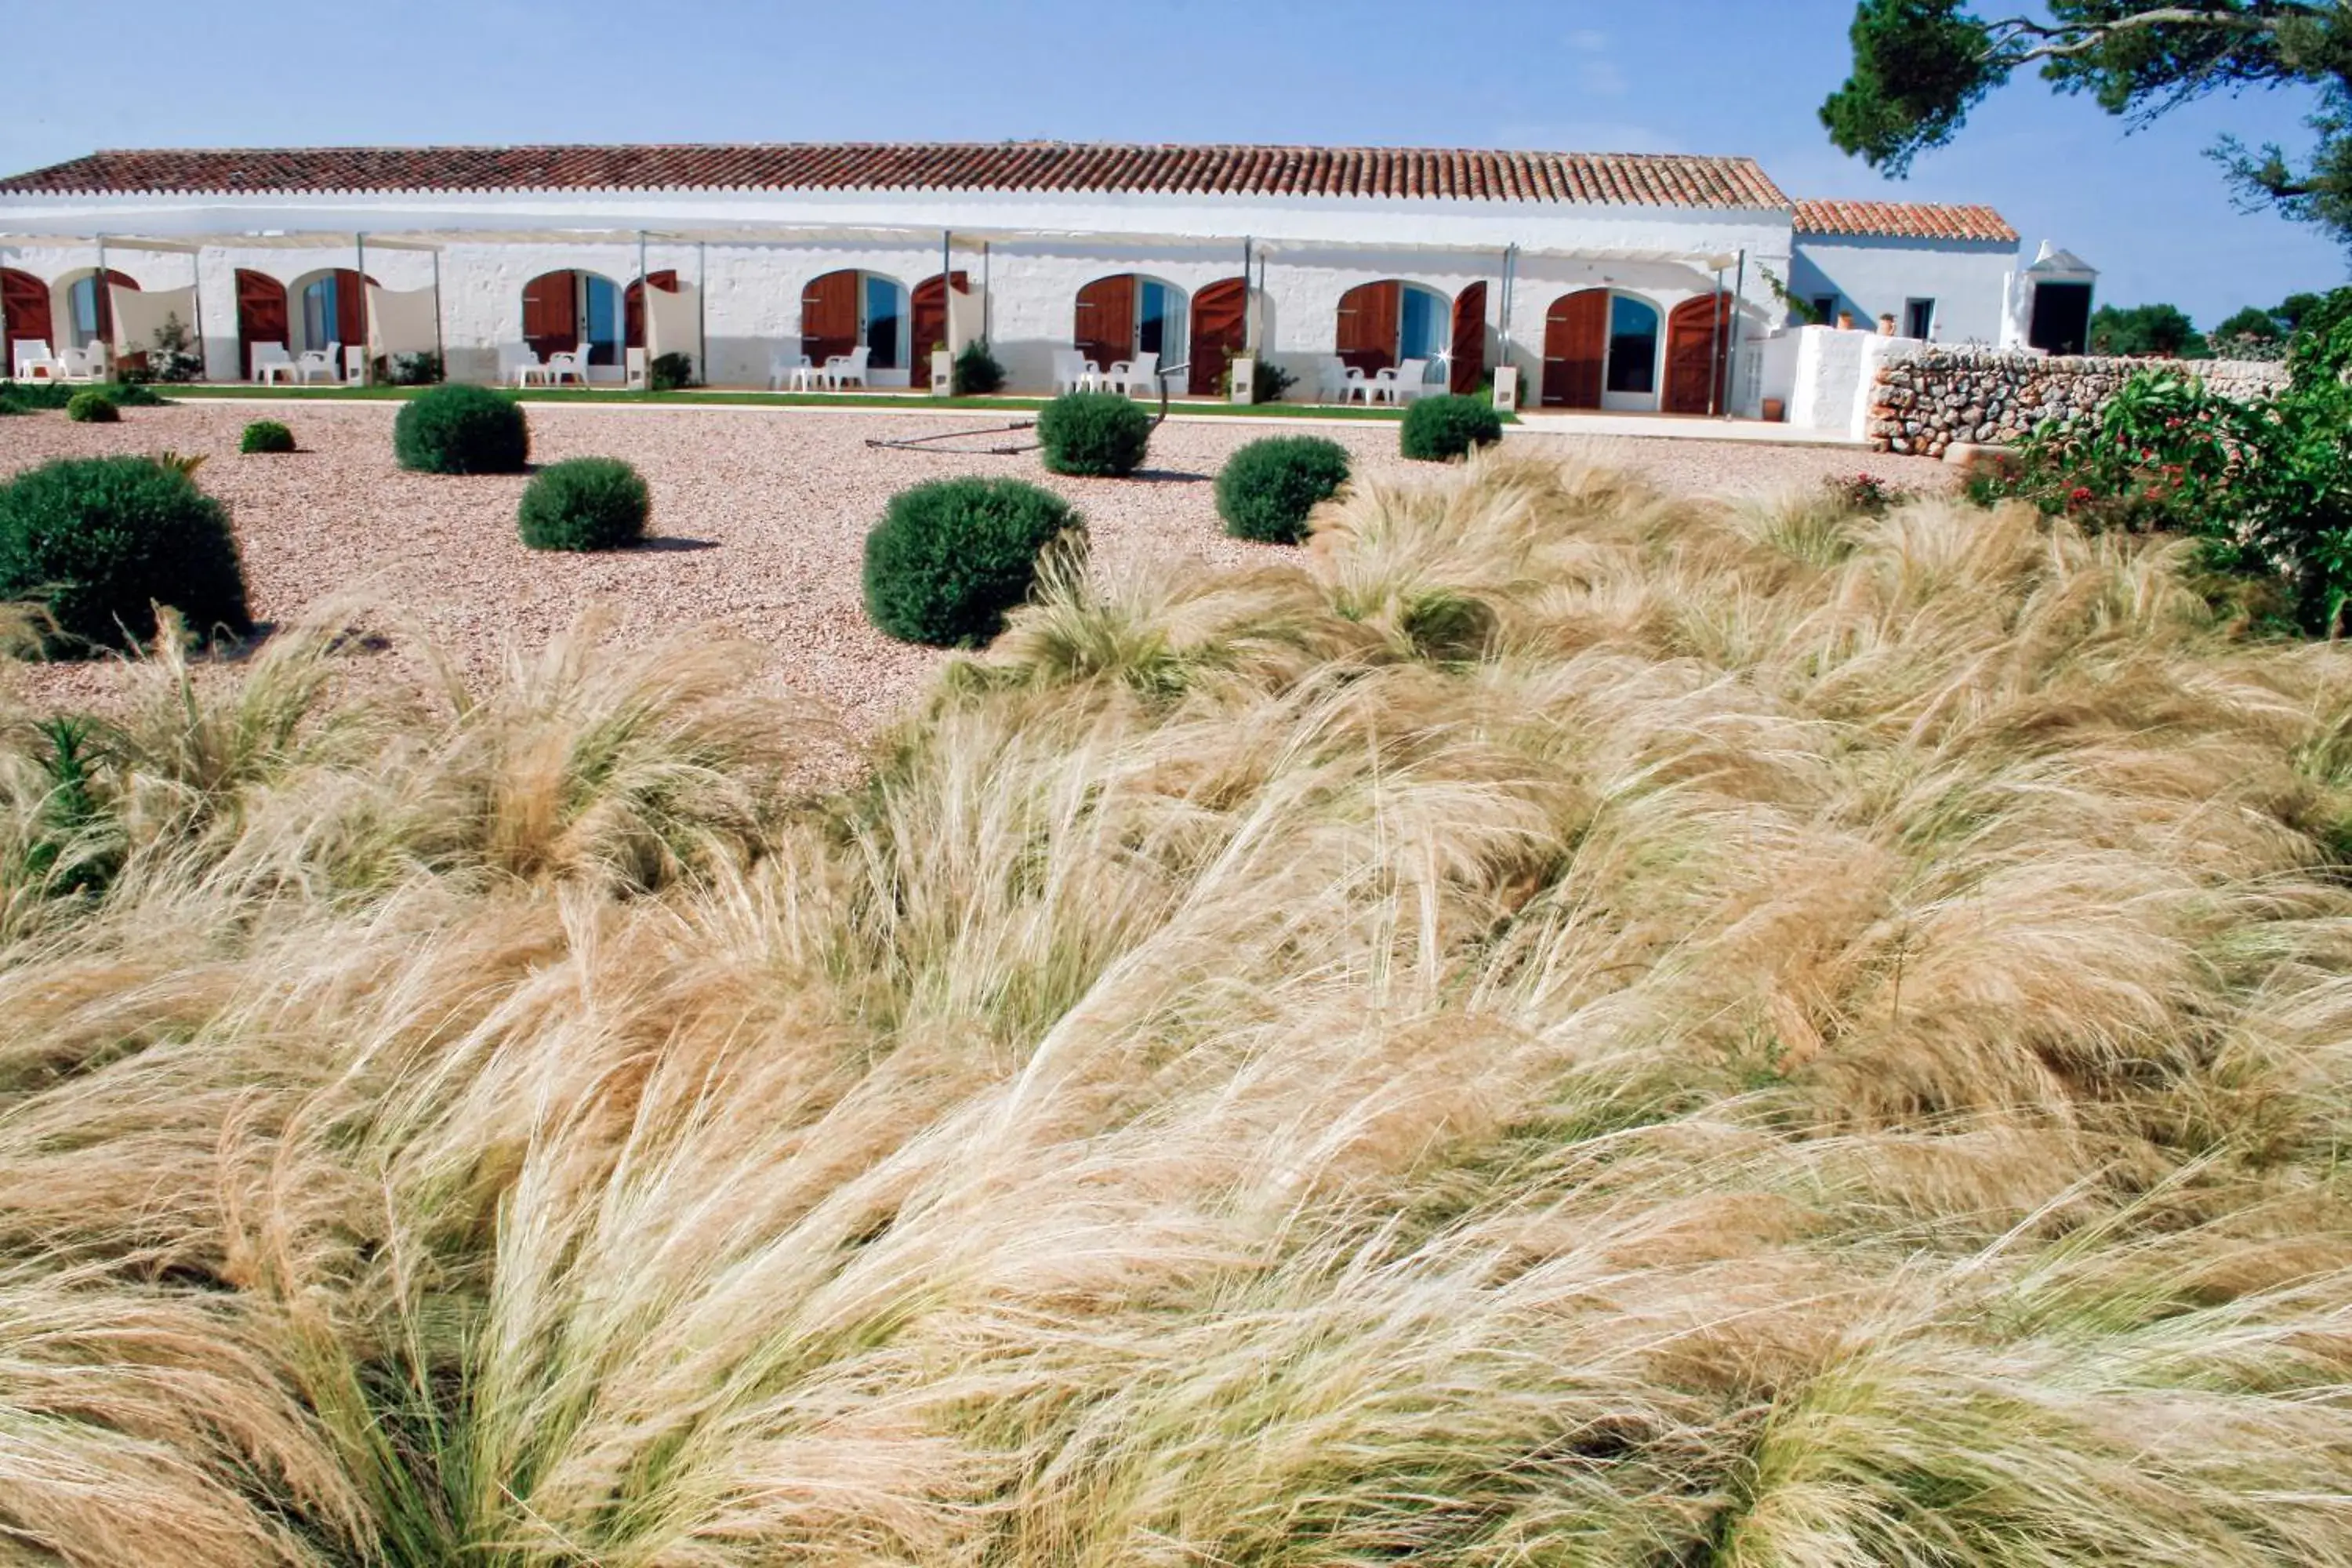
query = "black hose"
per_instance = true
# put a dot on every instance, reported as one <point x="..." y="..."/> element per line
<point x="926" y="443"/>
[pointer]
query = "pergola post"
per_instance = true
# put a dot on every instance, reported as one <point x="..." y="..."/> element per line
<point x="440" y="349"/>
<point x="367" y="311"/>
<point x="702" y="309"/>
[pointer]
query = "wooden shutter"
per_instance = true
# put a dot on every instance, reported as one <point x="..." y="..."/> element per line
<point x="106" y="284"/>
<point x="928" y="305"/>
<point x="260" y="315"/>
<point x="1105" y="329"/>
<point x="633" y="304"/>
<point x="24" y="315"/>
<point x="1469" y="339"/>
<point x="1220" y="331"/>
<point x="550" y="313"/>
<point x="1576" y="347"/>
<point x="1698" y="340"/>
<point x="1368" y="325"/>
<point x="351" y="310"/>
<point x="829" y="315"/>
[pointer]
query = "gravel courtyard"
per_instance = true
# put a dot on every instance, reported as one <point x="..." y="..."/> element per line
<point x="759" y="516"/>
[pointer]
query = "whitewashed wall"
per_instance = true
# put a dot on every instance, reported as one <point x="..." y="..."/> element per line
<point x="1968" y="281"/>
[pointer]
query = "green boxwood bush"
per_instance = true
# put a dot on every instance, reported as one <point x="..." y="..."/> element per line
<point x="977" y="373"/>
<point x="266" y="436"/>
<point x="29" y="396"/>
<point x="950" y="557"/>
<point x="1438" y="429"/>
<point x="100" y="540"/>
<point x="670" y="372"/>
<point x="1098" y="435"/>
<point x="1266" y="488"/>
<point x="457" y="428"/>
<point x="584" y="503"/>
<point x="92" y="406"/>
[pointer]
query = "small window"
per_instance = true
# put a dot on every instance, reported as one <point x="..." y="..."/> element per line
<point x="1918" y="319"/>
<point x="1826" y="309"/>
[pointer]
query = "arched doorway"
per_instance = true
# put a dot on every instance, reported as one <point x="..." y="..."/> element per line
<point x="1601" y="350"/>
<point x="1698" y="358"/>
<point x="260" y="316"/>
<point x="1127" y="314"/>
<point x="849" y="309"/>
<point x="563" y="309"/>
<point x="929" y="310"/>
<point x="89" y="309"/>
<point x="1383" y="324"/>
<point x="24" y="315"/>
<point x="327" y="308"/>
<point x="1469" y="367"/>
<point x="1220" y="331"/>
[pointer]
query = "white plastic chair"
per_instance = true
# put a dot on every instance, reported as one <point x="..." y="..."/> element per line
<point x="318" y="365"/>
<point x="840" y="370"/>
<point x="1134" y="376"/>
<point x="790" y="372"/>
<point x="34" y="360"/>
<point x="88" y="363"/>
<point x="1400" y="383"/>
<point x="574" y="364"/>
<point x="271" y="363"/>
<point x="1337" y="381"/>
<point x="529" y="370"/>
<point x="1072" y="371"/>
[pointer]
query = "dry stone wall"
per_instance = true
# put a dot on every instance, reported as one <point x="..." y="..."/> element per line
<point x="1925" y="402"/>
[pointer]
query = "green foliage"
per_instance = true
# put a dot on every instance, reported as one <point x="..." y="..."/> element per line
<point x="97" y="542"/>
<point x="670" y="372"/>
<point x="1864" y="494"/>
<point x="950" y="558"/>
<point x="266" y="436"/>
<point x="458" y="428"/>
<point x="2265" y="487"/>
<point x="71" y="851"/>
<point x="409" y="370"/>
<point x="1921" y="65"/>
<point x="2147" y="331"/>
<point x="30" y="395"/>
<point x="1269" y="381"/>
<point x="1439" y="429"/>
<point x="1094" y="434"/>
<point x="92" y="405"/>
<point x="175" y="355"/>
<point x="1266" y="490"/>
<point x="584" y="503"/>
<point x="2253" y="321"/>
<point x="977" y="373"/>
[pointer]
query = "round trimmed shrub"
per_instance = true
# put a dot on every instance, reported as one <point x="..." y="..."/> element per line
<point x="1265" y="490"/>
<point x="950" y="557"/>
<point x="1096" y="435"/>
<point x="266" y="436"/>
<point x="98" y="540"/>
<point x="584" y="503"/>
<point x="457" y="428"/>
<point x="91" y="406"/>
<point x="1439" y="429"/>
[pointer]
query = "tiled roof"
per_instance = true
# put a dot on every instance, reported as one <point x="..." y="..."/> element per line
<point x="1641" y="179"/>
<point x="1903" y="220"/>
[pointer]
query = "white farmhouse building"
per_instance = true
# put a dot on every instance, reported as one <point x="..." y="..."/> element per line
<point x="1634" y="282"/>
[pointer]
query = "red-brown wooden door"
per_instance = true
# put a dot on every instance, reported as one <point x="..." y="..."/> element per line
<point x="1576" y="349"/>
<point x="1368" y="325"/>
<point x="633" y="304"/>
<point x="1104" y="325"/>
<point x="1220" y="331"/>
<point x="24" y="315"/>
<point x="104" y="288"/>
<point x="550" y="313"/>
<point x="829" y="315"/>
<point x="260" y="315"/>
<point x="928" y="305"/>
<point x="1699" y="336"/>
<point x="1469" y="339"/>
<point x="351" y="310"/>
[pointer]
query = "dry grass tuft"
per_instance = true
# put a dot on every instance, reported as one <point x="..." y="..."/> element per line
<point x="1563" y="1025"/>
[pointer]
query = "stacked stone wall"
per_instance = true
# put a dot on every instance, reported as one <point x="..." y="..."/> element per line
<point x="1926" y="402"/>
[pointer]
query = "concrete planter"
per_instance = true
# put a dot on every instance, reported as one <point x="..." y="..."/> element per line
<point x="1506" y="387"/>
<point x="942" y="372"/>
<point x="1244" y="383"/>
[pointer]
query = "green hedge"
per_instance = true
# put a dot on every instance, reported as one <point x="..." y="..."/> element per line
<point x="1437" y="429"/>
<point x="458" y="428"/>
<point x="1096" y="435"/>
<point x="92" y="406"/>
<point x="98" y="540"/>
<point x="266" y="436"/>
<point x="950" y="557"/>
<point x="1265" y="490"/>
<point x="29" y="396"/>
<point x="584" y="503"/>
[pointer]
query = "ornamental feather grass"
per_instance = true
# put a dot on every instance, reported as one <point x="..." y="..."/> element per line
<point x="1808" y="1037"/>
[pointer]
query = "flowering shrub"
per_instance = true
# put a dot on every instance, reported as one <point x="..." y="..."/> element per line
<point x="1865" y="494"/>
<point x="2266" y="485"/>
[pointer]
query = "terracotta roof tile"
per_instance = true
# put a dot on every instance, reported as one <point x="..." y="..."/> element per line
<point x="1903" y="220"/>
<point x="1646" y="179"/>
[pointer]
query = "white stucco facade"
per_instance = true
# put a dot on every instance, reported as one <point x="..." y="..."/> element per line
<point x="751" y="253"/>
<point x="1964" y="284"/>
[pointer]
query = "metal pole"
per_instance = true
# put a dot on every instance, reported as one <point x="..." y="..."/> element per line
<point x="196" y="308"/>
<point x="1738" y="287"/>
<point x="644" y="320"/>
<point x="1249" y="317"/>
<point x="987" y="297"/>
<point x="101" y="307"/>
<point x="1715" y="347"/>
<point x="440" y="350"/>
<point x="367" y="313"/>
<point x="946" y="309"/>
<point x="702" y="308"/>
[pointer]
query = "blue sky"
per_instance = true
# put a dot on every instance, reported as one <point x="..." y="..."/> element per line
<point x="1695" y="76"/>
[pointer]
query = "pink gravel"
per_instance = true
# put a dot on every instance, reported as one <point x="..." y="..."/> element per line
<point x="760" y="518"/>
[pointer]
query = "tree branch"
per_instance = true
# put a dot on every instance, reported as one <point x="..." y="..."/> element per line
<point x="2064" y="39"/>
